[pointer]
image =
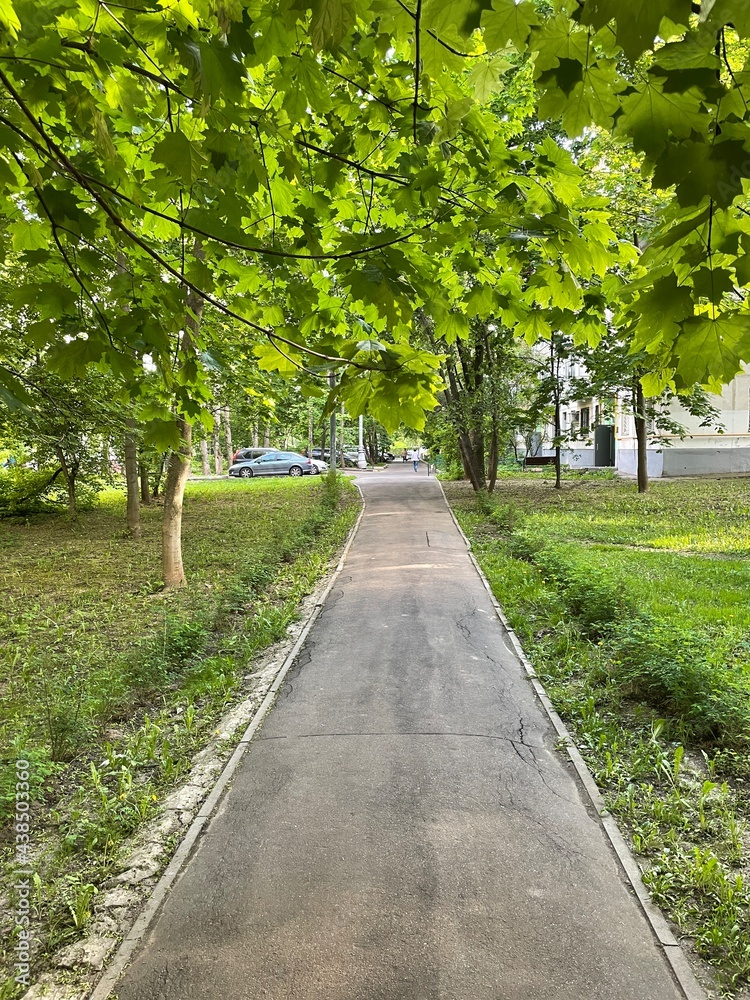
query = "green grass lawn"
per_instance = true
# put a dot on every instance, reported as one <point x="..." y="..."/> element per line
<point x="109" y="686"/>
<point x="634" y="611"/>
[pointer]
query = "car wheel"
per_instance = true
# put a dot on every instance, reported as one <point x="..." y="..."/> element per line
<point x="295" y="471"/>
<point x="246" y="473"/>
<point x="315" y="471"/>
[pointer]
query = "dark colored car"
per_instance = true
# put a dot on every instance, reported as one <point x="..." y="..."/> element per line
<point x="274" y="463"/>
<point x="246" y="454"/>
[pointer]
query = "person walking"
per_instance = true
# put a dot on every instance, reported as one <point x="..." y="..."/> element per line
<point x="414" y="457"/>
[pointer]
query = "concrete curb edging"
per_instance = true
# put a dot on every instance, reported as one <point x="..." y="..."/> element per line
<point x="671" y="948"/>
<point x="115" y="968"/>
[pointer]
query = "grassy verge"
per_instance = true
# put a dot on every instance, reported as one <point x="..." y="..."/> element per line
<point x="634" y="612"/>
<point x="108" y="691"/>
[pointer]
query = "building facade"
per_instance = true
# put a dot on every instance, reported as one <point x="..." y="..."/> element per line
<point x="723" y="449"/>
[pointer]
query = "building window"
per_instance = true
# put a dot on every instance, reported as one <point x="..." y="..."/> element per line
<point x="585" y="418"/>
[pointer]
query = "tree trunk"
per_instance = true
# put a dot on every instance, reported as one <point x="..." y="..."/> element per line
<point x="267" y="436"/>
<point x="133" y="508"/>
<point x="145" y="485"/>
<point x="228" y="437"/>
<point x="473" y="459"/>
<point x="205" y="463"/>
<point x="69" y="474"/>
<point x="555" y="372"/>
<point x="178" y="470"/>
<point x="159" y="475"/>
<point x="641" y="436"/>
<point x="492" y="458"/>
<point x="255" y="436"/>
<point x="218" y="462"/>
<point x="310" y="429"/>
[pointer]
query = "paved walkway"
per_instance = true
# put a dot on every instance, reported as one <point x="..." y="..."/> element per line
<point x="402" y="827"/>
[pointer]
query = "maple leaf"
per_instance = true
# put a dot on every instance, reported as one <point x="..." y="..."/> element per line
<point x="638" y="21"/>
<point x="712" y="346"/>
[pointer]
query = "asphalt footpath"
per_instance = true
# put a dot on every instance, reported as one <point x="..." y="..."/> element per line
<point x="402" y="826"/>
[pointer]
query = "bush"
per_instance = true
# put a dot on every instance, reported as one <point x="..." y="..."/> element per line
<point x="589" y="593"/>
<point x="672" y="669"/>
<point x="34" y="491"/>
<point x="162" y="659"/>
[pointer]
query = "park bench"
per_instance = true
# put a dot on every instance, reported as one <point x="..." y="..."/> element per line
<point x="534" y="460"/>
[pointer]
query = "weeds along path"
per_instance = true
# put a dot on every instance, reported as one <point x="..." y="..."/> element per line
<point x="109" y="691"/>
<point x="634" y="612"/>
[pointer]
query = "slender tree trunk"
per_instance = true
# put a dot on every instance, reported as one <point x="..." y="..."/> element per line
<point x="145" y="485"/>
<point x="133" y="508"/>
<point x="178" y="470"/>
<point x="267" y="436"/>
<point x="228" y="436"/>
<point x="160" y="474"/>
<point x="558" y="450"/>
<point x="641" y="436"/>
<point x="255" y="436"/>
<point x="179" y="461"/>
<point x="205" y="463"/>
<point x="555" y="373"/>
<point x="218" y="462"/>
<point x="69" y="474"/>
<point x="310" y="429"/>
<point x="492" y="458"/>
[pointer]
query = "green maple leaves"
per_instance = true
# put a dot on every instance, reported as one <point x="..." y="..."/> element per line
<point x="329" y="181"/>
<point x="637" y="23"/>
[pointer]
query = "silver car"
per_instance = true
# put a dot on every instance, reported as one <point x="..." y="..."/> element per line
<point x="275" y="463"/>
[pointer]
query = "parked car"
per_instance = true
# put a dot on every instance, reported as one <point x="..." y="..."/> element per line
<point x="275" y="463"/>
<point x="318" y="466"/>
<point x="250" y="453"/>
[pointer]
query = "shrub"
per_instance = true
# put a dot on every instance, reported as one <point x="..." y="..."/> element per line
<point x="672" y="668"/>
<point x="162" y="659"/>
<point x="596" y="600"/>
<point x="506" y="517"/>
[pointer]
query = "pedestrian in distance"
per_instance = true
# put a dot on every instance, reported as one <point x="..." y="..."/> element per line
<point x="414" y="456"/>
<point x="403" y="455"/>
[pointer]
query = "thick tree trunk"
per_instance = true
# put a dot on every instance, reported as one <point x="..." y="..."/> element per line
<point x="218" y="462"/>
<point x="133" y="507"/>
<point x="228" y="436"/>
<point x="205" y="463"/>
<point x="472" y="455"/>
<point x="641" y="436"/>
<point x="178" y="471"/>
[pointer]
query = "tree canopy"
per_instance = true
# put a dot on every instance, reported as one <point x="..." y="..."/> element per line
<point x="316" y="172"/>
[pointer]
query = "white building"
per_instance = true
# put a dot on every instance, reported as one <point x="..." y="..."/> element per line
<point x="723" y="449"/>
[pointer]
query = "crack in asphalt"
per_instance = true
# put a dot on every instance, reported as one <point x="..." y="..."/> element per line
<point x="426" y="732"/>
